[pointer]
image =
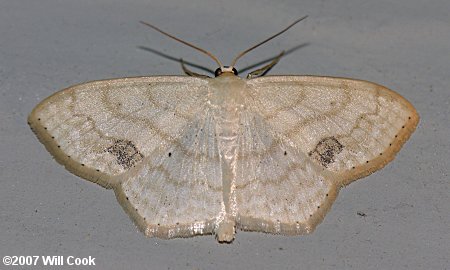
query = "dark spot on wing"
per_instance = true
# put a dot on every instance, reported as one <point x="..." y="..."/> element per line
<point x="326" y="150"/>
<point x="127" y="155"/>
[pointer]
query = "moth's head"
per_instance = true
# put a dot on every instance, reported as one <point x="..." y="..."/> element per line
<point x="225" y="70"/>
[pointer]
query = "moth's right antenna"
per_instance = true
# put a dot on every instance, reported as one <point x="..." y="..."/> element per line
<point x="184" y="42"/>
<point x="261" y="43"/>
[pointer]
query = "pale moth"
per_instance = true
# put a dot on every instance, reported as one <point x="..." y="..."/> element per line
<point x="193" y="155"/>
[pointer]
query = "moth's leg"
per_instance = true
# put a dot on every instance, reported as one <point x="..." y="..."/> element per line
<point x="262" y="71"/>
<point x="191" y="73"/>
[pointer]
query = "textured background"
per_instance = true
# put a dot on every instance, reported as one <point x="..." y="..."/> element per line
<point x="405" y="45"/>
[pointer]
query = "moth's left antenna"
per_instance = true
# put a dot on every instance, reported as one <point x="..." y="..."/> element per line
<point x="184" y="42"/>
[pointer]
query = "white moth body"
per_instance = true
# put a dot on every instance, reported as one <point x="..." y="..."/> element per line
<point x="192" y="156"/>
<point x="227" y="102"/>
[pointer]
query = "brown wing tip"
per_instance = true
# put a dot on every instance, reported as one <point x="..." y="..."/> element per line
<point x="61" y="157"/>
<point x="389" y="154"/>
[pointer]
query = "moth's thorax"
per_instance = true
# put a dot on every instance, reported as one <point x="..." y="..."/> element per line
<point x="227" y="91"/>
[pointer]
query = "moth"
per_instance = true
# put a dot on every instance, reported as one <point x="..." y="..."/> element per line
<point x="194" y="155"/>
